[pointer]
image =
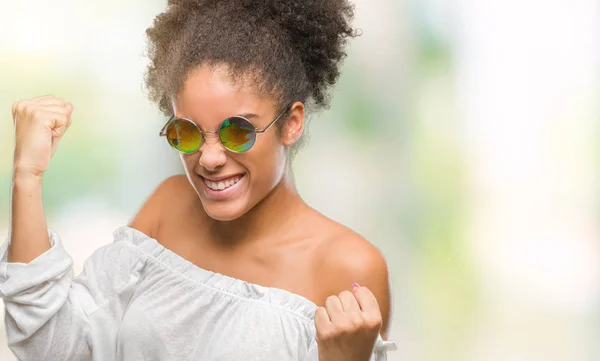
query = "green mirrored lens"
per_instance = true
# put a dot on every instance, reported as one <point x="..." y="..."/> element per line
<point x="184" y="136"/>
<point x="237" y="134"/>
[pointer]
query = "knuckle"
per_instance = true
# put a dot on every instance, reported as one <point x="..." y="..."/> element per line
<point x="21" y="106"/>
<point x="330" y="299"/>
<point x="35" y="113"/>
<point x="373" y="322"/>
<point x="29" y="109"/>
<point x="357" y="320"/>
<point x="346" y="327"/>
<point x="326" y="335"/>
<point x="351" y="329"/>
<point x="345" y="294"/>
<point x="336" y="333"/>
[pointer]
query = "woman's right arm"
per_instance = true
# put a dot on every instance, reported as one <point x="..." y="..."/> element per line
<point x="49" y="314"/>
<point x="39" y="123"/>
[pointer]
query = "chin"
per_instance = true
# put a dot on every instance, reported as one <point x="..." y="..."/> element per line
<point x="224" y="212"/>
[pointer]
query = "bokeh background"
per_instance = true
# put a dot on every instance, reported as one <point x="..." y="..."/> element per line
<point x="463" y="141"/>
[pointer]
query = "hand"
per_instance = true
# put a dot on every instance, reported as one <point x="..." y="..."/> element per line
<point x="40" y="123"/>
<point x="348" y="326"/>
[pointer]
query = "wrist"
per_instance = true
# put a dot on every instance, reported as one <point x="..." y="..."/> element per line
<point x="26" y="178"/>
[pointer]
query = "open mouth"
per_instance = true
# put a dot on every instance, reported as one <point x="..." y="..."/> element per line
<point x="222" y="184"/>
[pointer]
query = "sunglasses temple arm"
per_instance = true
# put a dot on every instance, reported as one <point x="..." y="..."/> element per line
<point x="272" y="122"/>
<point x="163" y="130"/>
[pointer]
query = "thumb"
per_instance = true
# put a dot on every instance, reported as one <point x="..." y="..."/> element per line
<point x="70" y="111"/>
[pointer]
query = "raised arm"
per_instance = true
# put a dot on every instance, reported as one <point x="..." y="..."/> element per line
<point x="50" y="315"/>
<point x="40" y="123"/>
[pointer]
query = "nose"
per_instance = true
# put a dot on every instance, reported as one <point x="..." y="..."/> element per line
<point x="212" y="153"/>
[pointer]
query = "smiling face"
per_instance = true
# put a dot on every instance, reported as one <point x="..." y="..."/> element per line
<point x="229" y="184"/>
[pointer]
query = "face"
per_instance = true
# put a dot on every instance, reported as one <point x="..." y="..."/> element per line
<point x="229" y="184"/>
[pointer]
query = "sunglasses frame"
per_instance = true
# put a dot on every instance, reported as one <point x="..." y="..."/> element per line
<point x="163" y="131"/>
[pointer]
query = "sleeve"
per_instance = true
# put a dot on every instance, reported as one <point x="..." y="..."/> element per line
<point x="379" y="350"/>
<point x="50" y="315"/>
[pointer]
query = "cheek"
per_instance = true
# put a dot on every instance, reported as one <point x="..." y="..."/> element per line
<point x="269" y="167"/>
<point x="189" y="161"/>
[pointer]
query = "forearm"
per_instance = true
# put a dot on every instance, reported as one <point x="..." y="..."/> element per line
<point x="28" y="235"/>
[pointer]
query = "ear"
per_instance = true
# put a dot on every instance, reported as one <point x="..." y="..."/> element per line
<point x="294" y="126"/>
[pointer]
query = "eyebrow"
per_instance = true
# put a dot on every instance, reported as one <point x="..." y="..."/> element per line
<point x="248" y="115"/>
<point x="244" y="115"/>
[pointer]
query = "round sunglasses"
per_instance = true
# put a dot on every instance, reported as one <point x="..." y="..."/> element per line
<point x="236" y="133"/>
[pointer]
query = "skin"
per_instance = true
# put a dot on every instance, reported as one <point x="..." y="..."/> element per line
<point x="259" y="235"/>
<point x="243" y="237"/>
<point x="39" y="125"/>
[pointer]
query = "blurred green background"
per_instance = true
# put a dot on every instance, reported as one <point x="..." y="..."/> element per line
<point x="462" y="140"/>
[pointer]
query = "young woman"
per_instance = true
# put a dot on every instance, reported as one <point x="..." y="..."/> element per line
<point x="226" y="262"/>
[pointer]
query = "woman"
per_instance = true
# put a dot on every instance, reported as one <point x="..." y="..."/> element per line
<point x="226" y="262"/>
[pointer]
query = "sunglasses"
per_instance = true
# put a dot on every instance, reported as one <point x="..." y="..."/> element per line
<point x="237" y="134"/>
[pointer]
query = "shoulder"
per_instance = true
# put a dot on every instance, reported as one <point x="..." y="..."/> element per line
<point x="152" y="211"/>
<point x="350" y="258"/>
<point x="346" y="257"/>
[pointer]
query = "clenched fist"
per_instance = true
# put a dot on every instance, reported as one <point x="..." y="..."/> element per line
<point x="348" y="326"/>
<point x="40" y="123"/>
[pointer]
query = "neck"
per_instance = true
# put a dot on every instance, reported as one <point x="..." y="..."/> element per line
<point x="265" y="220"/>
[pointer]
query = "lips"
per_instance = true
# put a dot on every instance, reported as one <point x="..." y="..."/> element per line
<point x="222" y="184"/>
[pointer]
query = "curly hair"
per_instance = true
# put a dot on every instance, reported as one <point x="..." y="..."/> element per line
<point x="290" y="49"/>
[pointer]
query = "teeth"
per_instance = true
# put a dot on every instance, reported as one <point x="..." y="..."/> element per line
<point x="219" y="186"/>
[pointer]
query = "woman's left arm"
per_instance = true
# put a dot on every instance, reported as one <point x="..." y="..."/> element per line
<point x="354" y="318"/>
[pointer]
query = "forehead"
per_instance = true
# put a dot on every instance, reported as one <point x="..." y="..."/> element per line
<point x="212" y="93"/>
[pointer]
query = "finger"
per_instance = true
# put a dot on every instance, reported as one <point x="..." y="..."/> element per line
<point x="323" y="325"/>
<point x="366" y="300"/>
<point x="49" y="100"/>
<point x="26" y="107"/>
<point x="69" y="121"/>
<point x="55" y="121"/>
<point x="19" y="107"/>
<point x="322" y="317"/>
<point x="58" y="132"/>
<point x="334" y="308"/>
<point x="69" y="114"/>
<point x="349" y="302"/>
<point x="58" y="109"/>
